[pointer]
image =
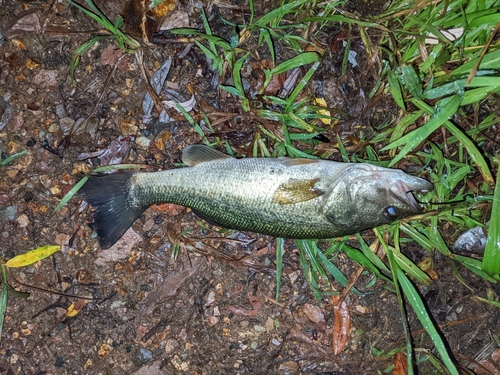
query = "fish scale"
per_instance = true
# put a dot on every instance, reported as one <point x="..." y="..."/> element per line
<point x="284" y="197"/>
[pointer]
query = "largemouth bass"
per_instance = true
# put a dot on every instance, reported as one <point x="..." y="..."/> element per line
<point x="283" y="197"/>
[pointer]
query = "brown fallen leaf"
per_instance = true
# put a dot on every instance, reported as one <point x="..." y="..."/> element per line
<point x="400" y="364"/>
<point x="27" y="21"/>
<point x="342" y="324"/>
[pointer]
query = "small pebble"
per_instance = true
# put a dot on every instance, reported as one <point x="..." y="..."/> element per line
<point x="143" y="142"/>
<point x="143" y="356"/>
<point x="23" y="221"/>
<point x="275" y="342"/>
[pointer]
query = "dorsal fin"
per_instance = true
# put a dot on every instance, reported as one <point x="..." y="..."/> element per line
<point x="290" y="162"/>
<point x="196" y="154"/>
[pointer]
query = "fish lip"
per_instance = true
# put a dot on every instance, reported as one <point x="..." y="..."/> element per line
<point x="404" y="191"/>
<point x="412" y="202"/>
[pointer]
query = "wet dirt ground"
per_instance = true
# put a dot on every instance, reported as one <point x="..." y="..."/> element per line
<point x="162" y="301"/>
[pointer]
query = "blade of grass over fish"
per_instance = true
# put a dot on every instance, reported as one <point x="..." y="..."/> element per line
<point x="12" y="158"/>
<point x="280" y="250"/>
<point x="115" y="167"/>
<point x="32" y="256"/>
<point x="491" y="260"/>
<point x="418" y="306"/>
<point x="444" y="109"/>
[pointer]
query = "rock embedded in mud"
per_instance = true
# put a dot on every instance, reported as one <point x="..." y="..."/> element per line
<point x="8" y="213"/>
<point x="142" y="357"/>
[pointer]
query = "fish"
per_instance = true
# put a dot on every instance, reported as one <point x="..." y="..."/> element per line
<point x="297" y="198"/>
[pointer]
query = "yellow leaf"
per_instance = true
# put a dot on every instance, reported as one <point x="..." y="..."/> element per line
<point x="75" y="308"/>
<point x="320" y="102"/>
<point x="32" y="256"/>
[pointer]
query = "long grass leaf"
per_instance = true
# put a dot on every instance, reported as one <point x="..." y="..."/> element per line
<point x="469" y="145"/>
<point x="3" y="299"/>
<point x="297" y="61"/>
<point x="443" y="110"/>
<point x="12" y="158"/>
<point x="491" y="260"/>
<point x="423" y="314"/>
<point x="396" y="89"/>
<point x="280" y="250"/>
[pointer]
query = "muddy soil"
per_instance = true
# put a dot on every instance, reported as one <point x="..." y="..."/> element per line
<point x="177" y="295"/>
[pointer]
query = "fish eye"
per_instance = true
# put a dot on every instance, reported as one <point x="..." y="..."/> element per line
<point x="391" y="212"/>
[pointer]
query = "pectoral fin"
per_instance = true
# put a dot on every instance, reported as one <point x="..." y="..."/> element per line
<point x="296" y="191"/>
<point x="196" y="154"/>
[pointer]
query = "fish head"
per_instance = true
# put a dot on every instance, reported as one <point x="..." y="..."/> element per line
<point x="366" y="196"/>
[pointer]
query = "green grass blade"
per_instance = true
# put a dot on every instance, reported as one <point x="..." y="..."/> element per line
<point x="297" y="90"/>
<point x="274" y="17"/>
<point x="80" y="183"/>
<point x="491" y="60"/>
<point x="443" y="110"/>
<point x="396" y="89"/>
<point x="71" y="193"/>
<point x="410" y="80"/>
<point x="469" y="145"/>
<point x="12" y="158"/>
<point x="363" y="261"/>
<point x="491" y="260"/>
<point x="3" y="299"/>
<point x="418" y="306"/>
<point x="335" y="272"/>
<point x="280" y="250"/>
<point x="411" y="268"/>
<point x="371" y="255"/>
<point x="304" y="58"/>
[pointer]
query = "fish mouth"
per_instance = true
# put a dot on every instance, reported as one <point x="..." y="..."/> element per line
<point x="404" y="192"/>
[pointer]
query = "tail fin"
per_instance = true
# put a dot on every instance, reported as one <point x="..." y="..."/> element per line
<point x="115" y="211"/>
